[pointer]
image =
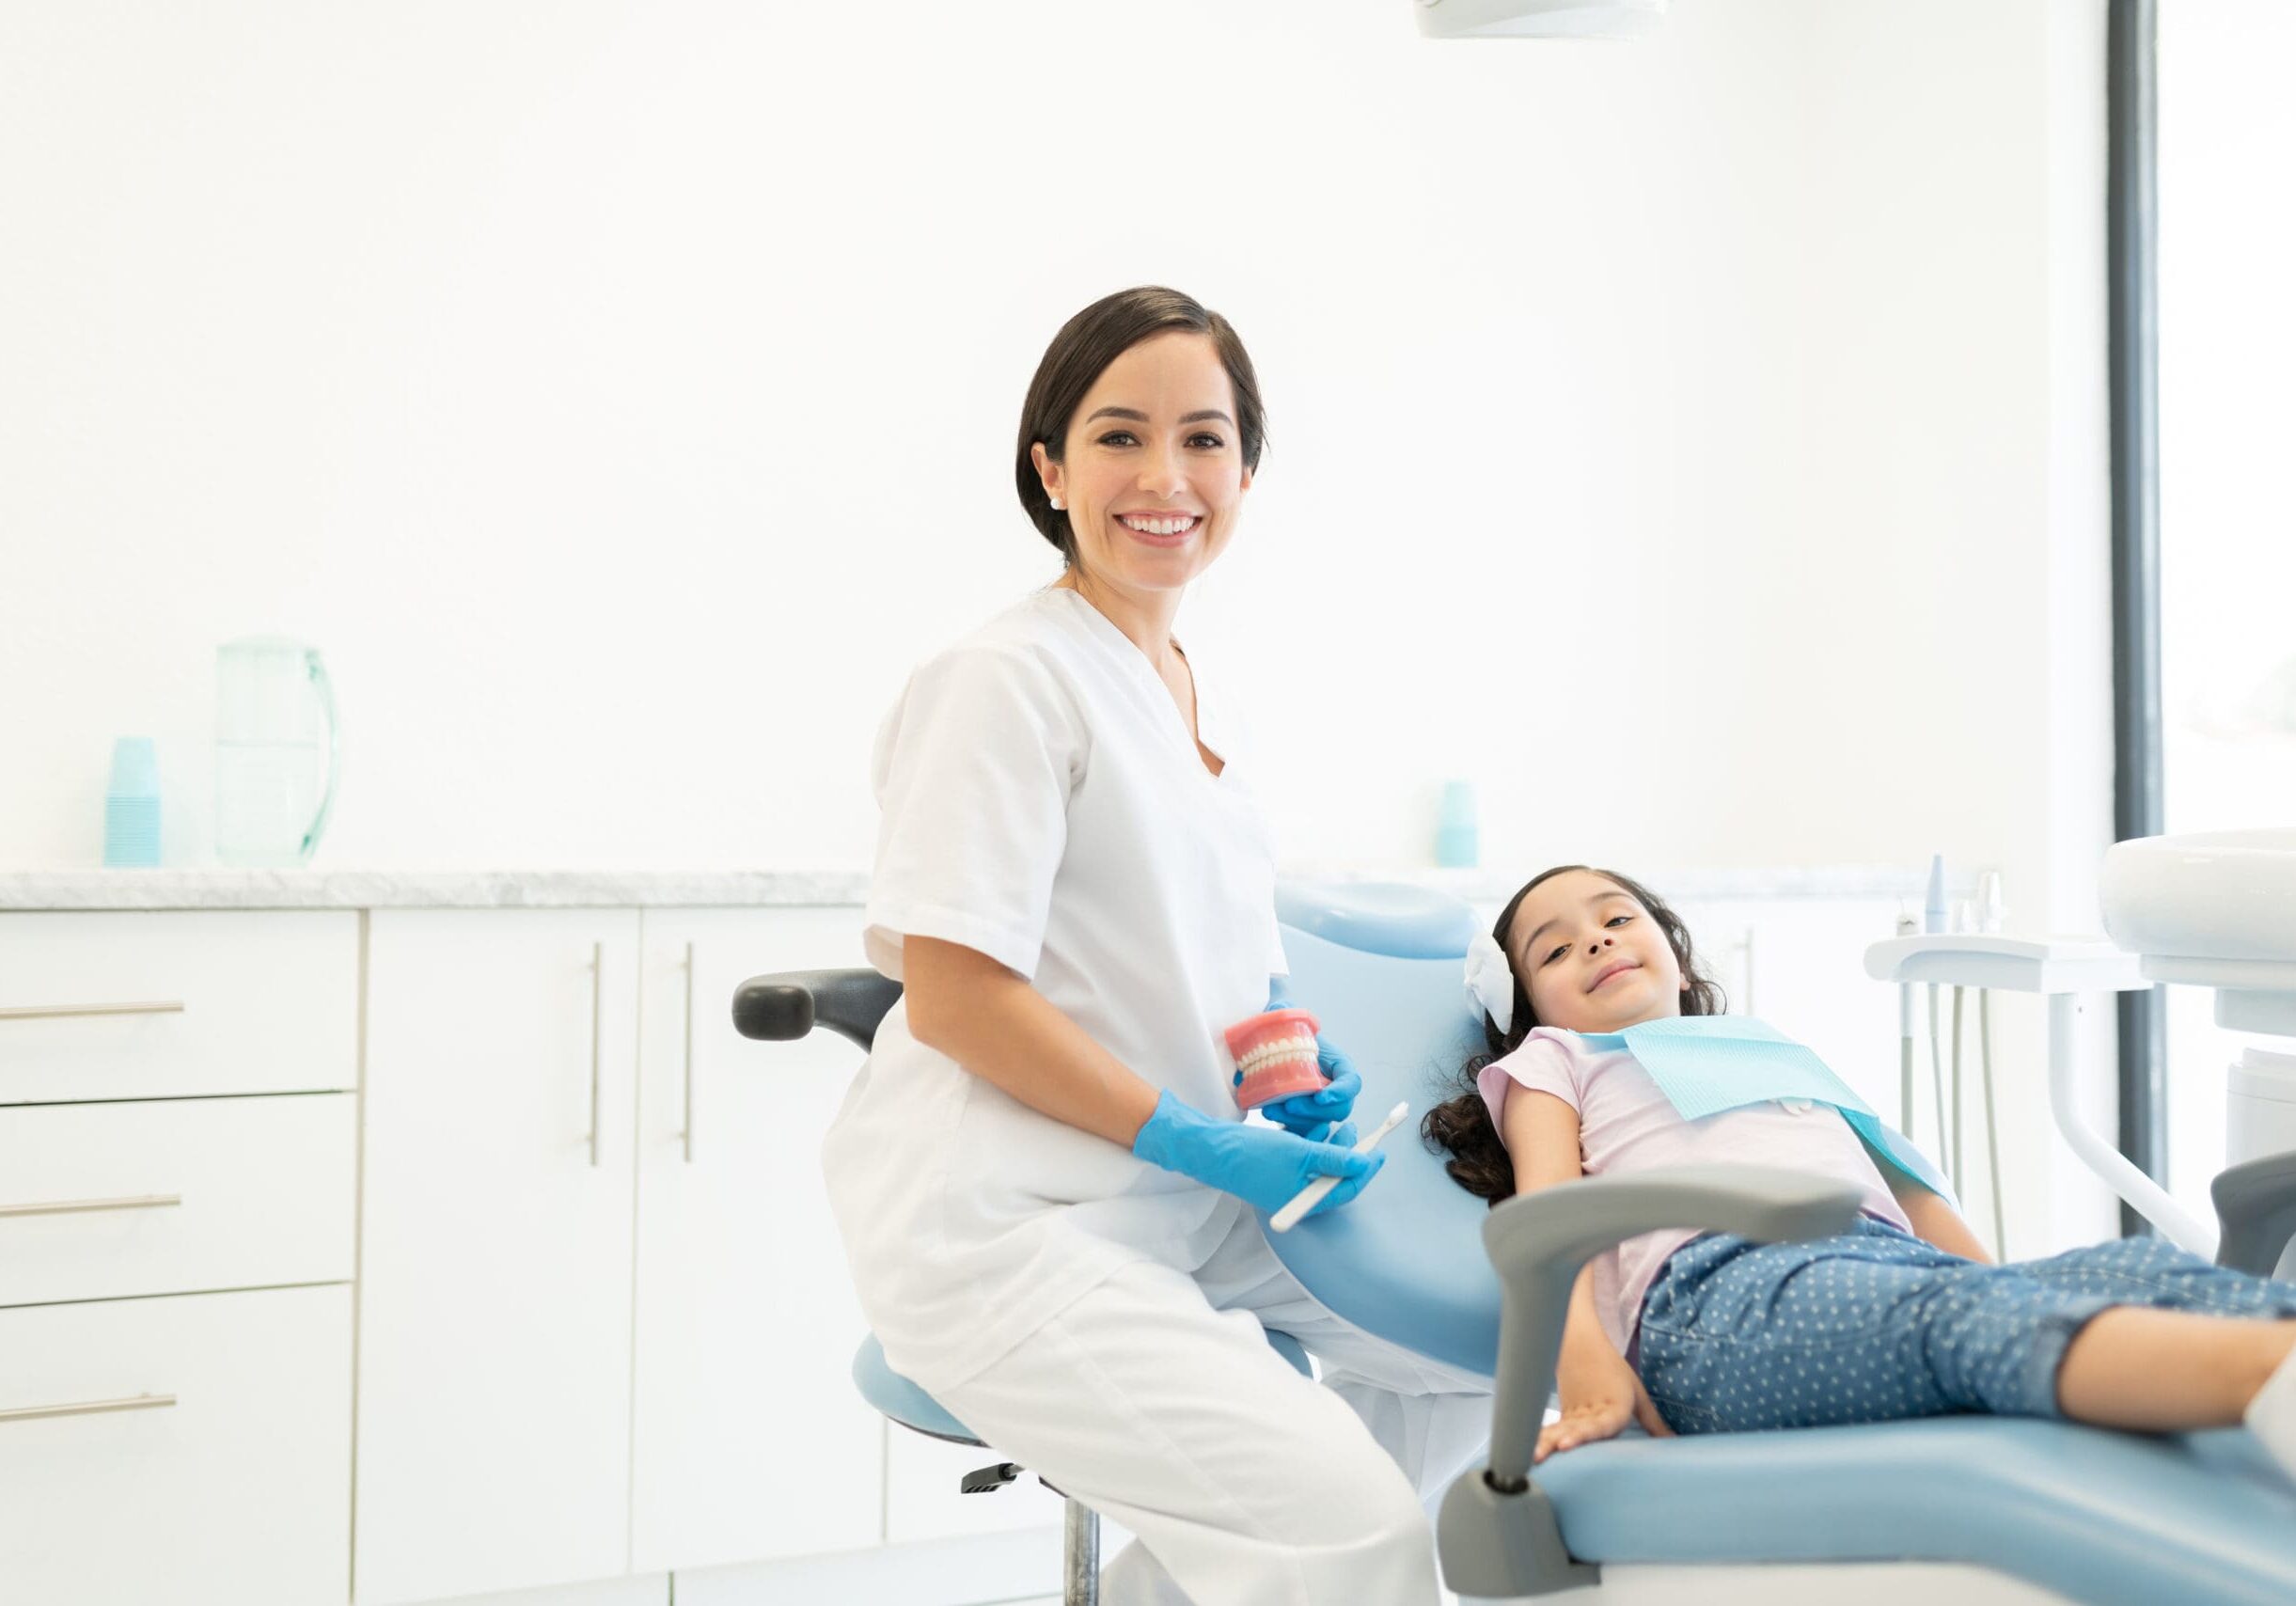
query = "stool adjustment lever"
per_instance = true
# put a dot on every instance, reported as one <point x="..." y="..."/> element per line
<point x="988" y="1480"/>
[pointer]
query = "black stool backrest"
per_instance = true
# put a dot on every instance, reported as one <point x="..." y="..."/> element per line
<point x="782" y="1008"/>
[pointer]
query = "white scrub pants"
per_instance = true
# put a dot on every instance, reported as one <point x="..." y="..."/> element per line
<point x="1156" y="1400"/>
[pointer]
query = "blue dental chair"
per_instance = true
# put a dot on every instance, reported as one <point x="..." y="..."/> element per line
<point x="1992" y="1509"/>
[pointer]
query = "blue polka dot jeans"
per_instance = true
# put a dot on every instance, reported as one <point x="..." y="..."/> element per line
<point x="1879" y="1326"/>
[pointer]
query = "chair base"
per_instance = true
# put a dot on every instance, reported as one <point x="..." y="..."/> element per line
<point x="1079" y="1556"/>
<point x="1079" y="1532"/>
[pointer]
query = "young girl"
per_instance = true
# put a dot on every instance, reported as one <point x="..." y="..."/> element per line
<point x="1901" y="1316"/>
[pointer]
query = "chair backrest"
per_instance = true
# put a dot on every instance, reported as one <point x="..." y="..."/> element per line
<point x="1380" y="966"/>
<point x="783" y="1007"/>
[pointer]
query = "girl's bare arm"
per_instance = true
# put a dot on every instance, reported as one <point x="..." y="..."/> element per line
<point x="1933" y="1219"/>
<point x="1598" y="1390"/>
<point x="1541" y="1133"/>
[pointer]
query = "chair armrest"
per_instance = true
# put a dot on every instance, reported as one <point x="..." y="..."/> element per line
<point x="1496" y="1532"/>
<point x="2256" y="1203"/>
<point x="783" y="1007"/>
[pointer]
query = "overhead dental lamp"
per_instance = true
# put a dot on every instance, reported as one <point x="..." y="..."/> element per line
<point x="1539" y="19"/>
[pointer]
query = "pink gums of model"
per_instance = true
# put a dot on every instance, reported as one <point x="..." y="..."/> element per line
<point x="1276" y="1054"/>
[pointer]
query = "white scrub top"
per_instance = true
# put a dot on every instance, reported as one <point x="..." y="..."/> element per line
<point x="1043" y="803"/>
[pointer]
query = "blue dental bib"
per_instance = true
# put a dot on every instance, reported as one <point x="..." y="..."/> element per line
<point x="1708" y="1063"/>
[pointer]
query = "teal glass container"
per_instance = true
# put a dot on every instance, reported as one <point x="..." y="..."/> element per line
<point x="277" y="752"/>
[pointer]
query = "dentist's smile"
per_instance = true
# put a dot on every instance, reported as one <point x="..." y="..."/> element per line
<point x="1160" y="529"/>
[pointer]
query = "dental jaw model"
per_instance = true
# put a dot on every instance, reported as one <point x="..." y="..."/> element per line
<point x="1275" y="1055"/>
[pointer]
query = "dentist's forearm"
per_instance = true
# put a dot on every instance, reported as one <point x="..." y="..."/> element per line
<point x="1003" y="1030"/>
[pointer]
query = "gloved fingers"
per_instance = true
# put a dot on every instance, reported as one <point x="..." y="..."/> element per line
<point x="1302" y="1116"/>
<point x="1305" y="1113"/>
<point x="1316" y="1128"/>
<point x="1337" y="1159"/>
<point x="1338" y="1095"/>
<point x="1341" y="1132"/>
<point x="1352" y="1186"/>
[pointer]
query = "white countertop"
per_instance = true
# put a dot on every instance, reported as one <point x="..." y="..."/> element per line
<point x="544" y="889"/>
<point x="314" y="888"/>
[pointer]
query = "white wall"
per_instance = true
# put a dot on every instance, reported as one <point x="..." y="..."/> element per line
<point x="1699" y="441"/>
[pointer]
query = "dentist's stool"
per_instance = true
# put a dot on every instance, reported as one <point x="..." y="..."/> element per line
<point x="783" y="1008"/>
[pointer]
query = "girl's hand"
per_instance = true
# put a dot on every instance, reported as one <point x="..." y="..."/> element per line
<point x="1600" y="1411"/>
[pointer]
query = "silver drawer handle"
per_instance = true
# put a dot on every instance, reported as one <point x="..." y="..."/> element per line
<point x="69" y="1207"/>
<point x="597" y="994"/>
<point x="91" y="1407"/>
<point x="57" y="1012"/>
<point x="689" y="1054"/>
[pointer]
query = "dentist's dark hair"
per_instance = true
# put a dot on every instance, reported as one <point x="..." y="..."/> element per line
<point x="1479" y="1161"/>
<point x="1082" y="352"/>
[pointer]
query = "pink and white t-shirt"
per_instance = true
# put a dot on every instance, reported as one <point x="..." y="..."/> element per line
<point x="1626" y="1125"/>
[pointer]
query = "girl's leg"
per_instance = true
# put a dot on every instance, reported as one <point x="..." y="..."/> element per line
<point x="2169" y="1371"/>
<point x="2180" y="1363"/>
<point x="1874" y="1326"/>
<point x="2153" y="1271"/>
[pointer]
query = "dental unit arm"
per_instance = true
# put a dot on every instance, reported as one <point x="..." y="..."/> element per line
<point x="2061" y="969"/>
<point x="2254" y="1202"/>
<point x="1497" y="1530"/>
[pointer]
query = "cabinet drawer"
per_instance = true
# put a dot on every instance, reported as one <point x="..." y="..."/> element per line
<point x="239" y="1491"/>
<point x="164" y="1005"/>
<point x="264" y="1188"/>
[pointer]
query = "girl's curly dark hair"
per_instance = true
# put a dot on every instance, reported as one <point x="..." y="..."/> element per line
<point x="1462" y="1124"/>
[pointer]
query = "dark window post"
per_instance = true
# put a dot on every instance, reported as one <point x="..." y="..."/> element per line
<point x="2133" y="122"/>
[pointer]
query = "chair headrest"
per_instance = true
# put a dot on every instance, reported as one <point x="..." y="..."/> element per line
<point x="1380" y="917"/>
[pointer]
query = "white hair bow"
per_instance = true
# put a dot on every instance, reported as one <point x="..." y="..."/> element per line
<point x="1490" y="979"/>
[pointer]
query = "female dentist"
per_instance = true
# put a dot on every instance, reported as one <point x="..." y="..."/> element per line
<point x="1040" y="1175"/>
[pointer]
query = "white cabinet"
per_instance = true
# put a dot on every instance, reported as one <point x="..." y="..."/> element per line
<point x="620" y="1347"/>
<point x="520" y="1292"/>
<point x="751" y="1441"/>
<point x="175" y="1195"/>
<point x="175" y="1311"/>
<point x="219" y="1475"/>
<point x="177" y="1004"/>
<point x="495" y="1348"/>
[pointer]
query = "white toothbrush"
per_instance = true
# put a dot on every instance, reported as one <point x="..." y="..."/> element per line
<point x="1305" y="1199"/>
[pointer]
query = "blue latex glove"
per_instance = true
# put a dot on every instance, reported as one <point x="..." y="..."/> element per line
<point x="1259" y="1165"/>
<point x="1311" y="1114"/>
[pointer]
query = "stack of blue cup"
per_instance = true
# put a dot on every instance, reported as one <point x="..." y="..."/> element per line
<point x="1458" y="844"/>
<point x="132" y="805"/>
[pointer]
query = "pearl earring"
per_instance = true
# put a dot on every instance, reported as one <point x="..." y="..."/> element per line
<point x="1058" y="504"/>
